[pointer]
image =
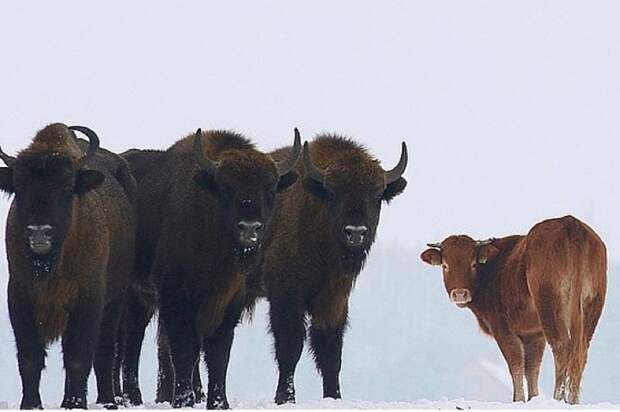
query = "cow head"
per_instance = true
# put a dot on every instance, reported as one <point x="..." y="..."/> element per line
<point x="46" y="178"/>
<point x="245" y="183"/>
<point x="460" y="258"/>
<point x="353" y="189"/>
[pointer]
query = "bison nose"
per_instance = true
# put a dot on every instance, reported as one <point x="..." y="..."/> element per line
<point x="39" y="238"/>
<point x="460" y="296"/>
<point x="250" y="232"/>
<point x="355" y="234"/>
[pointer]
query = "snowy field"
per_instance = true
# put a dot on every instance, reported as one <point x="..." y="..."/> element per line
<point x="509" y="110"/>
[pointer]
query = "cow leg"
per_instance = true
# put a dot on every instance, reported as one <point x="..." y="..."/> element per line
<point x="78" y="345"/>
<point x="326" y="344"/>
<point x="105" y="354"/>
<point x="137" y="319"/>
<point x="178" y="320"/>
<point x="217" y="354"/>
<point x="512" y="349"/>
<point x="556" y="333"/>
<point x="30" y="351"/>
<point x="534" y="348"/>
<point x="287" y="317"/>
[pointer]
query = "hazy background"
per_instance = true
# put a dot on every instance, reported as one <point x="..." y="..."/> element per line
<point x="510" y="111"/>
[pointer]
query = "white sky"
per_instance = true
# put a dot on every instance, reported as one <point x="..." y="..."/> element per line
<point x="509" y="108"/>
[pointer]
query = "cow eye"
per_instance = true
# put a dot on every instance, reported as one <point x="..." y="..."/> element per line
<point x="474" y="266"/>
<point x="444" y="266"/>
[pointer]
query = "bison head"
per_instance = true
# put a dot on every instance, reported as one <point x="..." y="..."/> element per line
<point x="353" y="189"/>
<point x="46" y="178"/>
<point x="461" y="258"/>
<point x="245" y="183"/>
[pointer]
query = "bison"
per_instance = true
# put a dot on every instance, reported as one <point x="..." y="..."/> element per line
<point x="322" y="231"/>
<point x="70" y="245"/>
<point x="204" y="206"/>
<point x="525" y="291"/>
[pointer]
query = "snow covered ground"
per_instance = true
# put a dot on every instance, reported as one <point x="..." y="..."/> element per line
<point x="443" y="404"/>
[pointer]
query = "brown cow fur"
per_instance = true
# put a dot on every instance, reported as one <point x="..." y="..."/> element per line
<point x="548" y="286"/>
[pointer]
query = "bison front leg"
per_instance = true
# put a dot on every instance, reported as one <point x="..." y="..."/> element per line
<point x="78" y="346"/>
<point x="287" y="317"/>
<point x="326" y="343"/>
<point x="106" y="351"/>
<point x="512" y="349"/>
<point x="30" y="350"/>
<point x="178" y="320"/>
<point x="217" y="354"/>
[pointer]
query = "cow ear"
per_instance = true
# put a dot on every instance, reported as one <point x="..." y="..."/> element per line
<point x="287" y="180"/>
<point x="316" y="188"/>
<point x="487" y="253"/>
<point x="431" y="256"/>
<point x="206" y="181"/>
<point x="87" y="180"/>
<point x="394" y="189"/>
<point x="6" y="180"/>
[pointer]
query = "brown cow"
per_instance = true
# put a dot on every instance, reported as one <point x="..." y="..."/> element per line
<point x="548" y="286"/>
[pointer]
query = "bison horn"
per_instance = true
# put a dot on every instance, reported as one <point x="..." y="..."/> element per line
<point x="484" y="242"/>
<point x="206" y="164"/>
<point x="288" y="164"/>
<point x="314" y="172"/>
<point x="9" y="160"/>
<point x="393" y="175"/>
<point x="92" y="147"/>
<point x="435" y="245"/>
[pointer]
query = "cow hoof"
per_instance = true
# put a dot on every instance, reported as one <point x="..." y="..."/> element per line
<point x="109" y="406"/>
<point x="199" y="395"/>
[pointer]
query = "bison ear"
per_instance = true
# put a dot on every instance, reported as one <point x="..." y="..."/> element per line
<point x="487" y="253"/>
<point x="207" y="181"/>
<point x="316" y="188"/>
<point x="431" y="256"/>
<point x="6" y="180"/>
<point x="287" y="180"/>
<point x="87" y="180"/>
<point x="394" y="189"/>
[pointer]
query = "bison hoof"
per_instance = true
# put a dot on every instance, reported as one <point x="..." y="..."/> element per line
<point x="133" y="397"/>
<point x="30" y="405"/>
<point x="199" y="395"/>
<point x="109" y="406"/>
<point x="73" y="402"/>
<point x="185" y="399"/>
<point x="281" y="399"/>
<point x="218" y="403"/>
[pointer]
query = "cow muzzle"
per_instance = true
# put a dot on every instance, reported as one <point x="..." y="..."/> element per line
<point x="250" y="233"/>
<point x="460" y="297"/>
<point x="39" y="239"/>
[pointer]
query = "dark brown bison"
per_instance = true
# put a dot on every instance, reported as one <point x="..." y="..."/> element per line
<point x="548" y="286"/>
<point x="70" y="245"/>
<point x="204" y="206"/>
<point x="322" y="231"/>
